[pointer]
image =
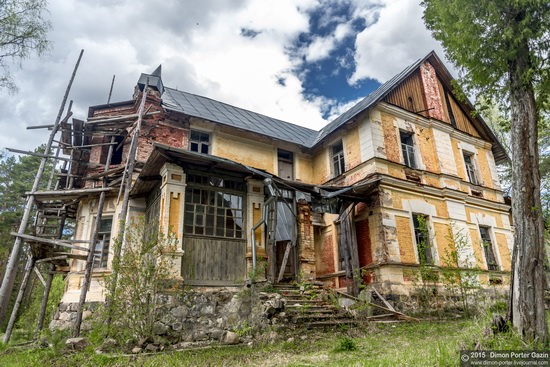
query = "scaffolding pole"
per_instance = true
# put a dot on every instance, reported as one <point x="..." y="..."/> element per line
<point x="11" y="270"/>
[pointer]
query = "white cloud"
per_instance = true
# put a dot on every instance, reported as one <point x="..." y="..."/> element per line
<point x="321" y="47"/>
<point x="395" y="38"/>
<point x="202" y="51"/>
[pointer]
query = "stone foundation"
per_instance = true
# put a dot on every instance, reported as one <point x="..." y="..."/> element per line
<point x="198" y="315"/>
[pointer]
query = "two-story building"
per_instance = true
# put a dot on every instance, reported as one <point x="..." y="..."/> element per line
<point x="402" y="180"/>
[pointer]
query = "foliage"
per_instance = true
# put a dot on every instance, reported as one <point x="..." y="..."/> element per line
<point x="28" y="318"/>
<point x="501" y="47"/>
<point x="143" y="269"/>
<point x="401" y="344"/>
<point x="464" y="278"/>
<point x="346" y="344"/>
<point x="23" y="31"/>
<point x="481" y="37"/>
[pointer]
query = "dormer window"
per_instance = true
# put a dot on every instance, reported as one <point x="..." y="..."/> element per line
<point x="199" y="142"/>
<point x="338" y="163"/>
<point x="407" y="148"/>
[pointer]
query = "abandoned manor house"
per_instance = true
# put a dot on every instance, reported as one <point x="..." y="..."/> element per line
<point x="405" y="179"/>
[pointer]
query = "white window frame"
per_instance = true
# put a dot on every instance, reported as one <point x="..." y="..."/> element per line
<point x="412" y="135"/>
<point x="341" y="159"/>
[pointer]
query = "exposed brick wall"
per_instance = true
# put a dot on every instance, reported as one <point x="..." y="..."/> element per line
<point x="431" y="91"/>
<point x="306" y="241"/>
<point x="363" y="242"/>
<point x="391" y="145"/>
<point x="325" y="255"/>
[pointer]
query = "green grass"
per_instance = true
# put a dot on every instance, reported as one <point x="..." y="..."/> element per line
<point x="398" y="344"/>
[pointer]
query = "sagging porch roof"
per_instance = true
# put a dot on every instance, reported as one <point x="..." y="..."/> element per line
<point x="149" y="177"/>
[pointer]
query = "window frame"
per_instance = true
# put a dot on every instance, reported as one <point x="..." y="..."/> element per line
<point x="338" y="158"/>
<point x="200" y="144"/>
<point x="213" y="192"/>
<point x="409" y="157"/>
<point x="488" y="248"/>
<point x="417" y="234"/>
<point x="471" y="168"/>
<point x="285" y="156"/>
<point x="102" y="247"/>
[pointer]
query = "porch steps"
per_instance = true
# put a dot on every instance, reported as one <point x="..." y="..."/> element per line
<point x="316" y="307"/>
<point x="311" y="309"/>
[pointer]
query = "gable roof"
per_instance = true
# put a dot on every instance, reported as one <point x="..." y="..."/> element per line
<point x="223" y="113"/>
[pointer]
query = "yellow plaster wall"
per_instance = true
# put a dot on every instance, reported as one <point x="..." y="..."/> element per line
<point x="426" y="144"/>
<point x="391" y="144"/>
<point x="470" y="211"/>
<point x="174" y="219"/>
<point x="483" y="167"/>
<point x="398" y="197"/>
<point x="476" y="244"/>
<point x="504" y="252"/>
<point x="405" y="239"/>
<point x="458" y="159"/>
<point x="445" y="244"/>
<point x="321" y="172"/>
<point x="257" y="155"/>
<point x="304" y="169"/>
<point x="352" y="148"/>
<point x="396" y="172"/>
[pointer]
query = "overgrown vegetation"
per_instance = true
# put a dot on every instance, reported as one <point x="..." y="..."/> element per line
<point x="400" y="344"/>
<point x="143" y="272"/>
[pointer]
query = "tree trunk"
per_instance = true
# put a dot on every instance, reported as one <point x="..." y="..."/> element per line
<point x="526" y="304"/>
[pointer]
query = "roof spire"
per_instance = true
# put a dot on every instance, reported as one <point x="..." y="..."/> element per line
<point x="157" y="71"/>
<point x="154" y="80"/>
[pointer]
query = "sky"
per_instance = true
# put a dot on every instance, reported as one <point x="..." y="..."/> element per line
<point x="301" y="61"/>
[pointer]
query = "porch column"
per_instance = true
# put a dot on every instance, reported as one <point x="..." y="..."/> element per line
<point x="255" y="205"/>
<point x="171" y="211"/>
<point x="306" y="244"/>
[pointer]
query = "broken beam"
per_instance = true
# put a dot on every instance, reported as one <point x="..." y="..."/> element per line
<point x="47" y="241"/>
<point x="37" y="154"/>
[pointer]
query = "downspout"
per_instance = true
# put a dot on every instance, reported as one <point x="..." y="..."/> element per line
<point x="263" y="219"/>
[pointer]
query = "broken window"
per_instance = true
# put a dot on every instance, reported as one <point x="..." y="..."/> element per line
<point x="422" y="238"/>
<point x="101" y="249"/>
<point x="199" y="142"/>
<point x="117" y="155"/>
<point x="487" y="244"/>
<point x="286" y="164"/>
<point x="338" y="163"/>
<point x="470" y="167"/>
<point x="214" y="206"/>
<point x="407" y="147"/>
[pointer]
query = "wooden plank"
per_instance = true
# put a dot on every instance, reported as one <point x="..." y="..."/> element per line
<point x="399" y="314"/>
<point x="388" y="305"/>
<point x="47" y="241"/>
<point x="285" y="259"/>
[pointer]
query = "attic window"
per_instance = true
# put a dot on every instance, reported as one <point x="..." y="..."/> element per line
<point x="199" y="142"/>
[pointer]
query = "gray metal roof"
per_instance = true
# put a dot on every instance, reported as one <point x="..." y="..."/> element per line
<point x="223" y="113"/>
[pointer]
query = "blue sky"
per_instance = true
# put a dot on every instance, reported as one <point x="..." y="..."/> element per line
<point x="302" y="61"/>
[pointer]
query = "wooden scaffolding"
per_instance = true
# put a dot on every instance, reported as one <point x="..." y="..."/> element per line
<point x="67" y="185"/>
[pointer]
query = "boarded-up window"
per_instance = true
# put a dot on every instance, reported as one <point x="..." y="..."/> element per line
<point x="286" y="164"/>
